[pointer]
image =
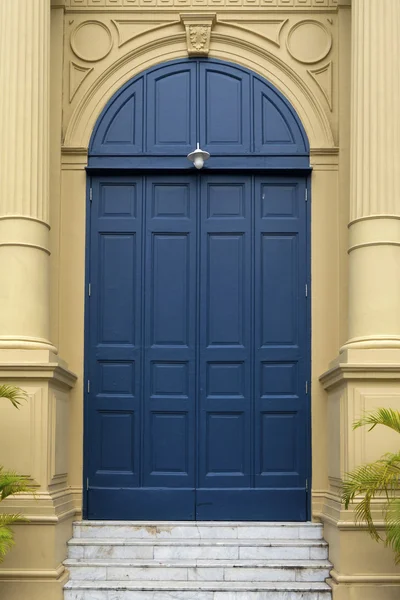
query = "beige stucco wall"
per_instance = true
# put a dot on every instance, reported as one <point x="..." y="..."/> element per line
<point x="303" y="48"/>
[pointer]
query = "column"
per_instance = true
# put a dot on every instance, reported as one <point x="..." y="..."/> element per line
<point x="374" y="228"/>
<point x="33" y="440"/>
<point x="366" y="374"/>
<point x="24" y="174"/>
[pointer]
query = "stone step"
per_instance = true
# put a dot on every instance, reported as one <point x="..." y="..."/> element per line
<point x="216" y="549"/>
<point x="201" y="570"/>
<point x="199" y="530"/>
<point x="188" y="590"/>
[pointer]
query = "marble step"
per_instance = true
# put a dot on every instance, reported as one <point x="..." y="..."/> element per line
<point x="187" y="590"/>
<point x="199" y="530"/>
<point x="201" y="570"/>
<point x="216" y="549"/>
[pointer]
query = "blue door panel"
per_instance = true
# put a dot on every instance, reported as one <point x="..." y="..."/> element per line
<point x="277" y="130"/>
<point x="225" y="126"/>
<point x="113" y="408"/>
<point x="251" y="505"/>
<point x="171" y="110"/>
<point x="281" y="347"/>
<point x="128" y="503"/>
<point x="170" y="328"/>
<point x="120" y="131"/>
<point x="224" y="451"/>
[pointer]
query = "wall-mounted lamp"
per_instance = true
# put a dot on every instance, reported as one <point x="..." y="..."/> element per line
<point x="198" y="157"/>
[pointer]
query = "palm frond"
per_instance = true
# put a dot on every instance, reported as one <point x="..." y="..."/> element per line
<point x="370" y="481"/>
<point x="383" y="416"/>
<point x="7" y="520"/>
<point x="392" y="518"/>
<point x="12" y="393"/>
<point x="6" y="541"/>
<point x="7" y="534"/>
<point x="11" y="483"/>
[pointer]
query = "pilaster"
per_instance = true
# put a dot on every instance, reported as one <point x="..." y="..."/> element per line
<point x="34" y="441"/>
<point x="367" y="372"/>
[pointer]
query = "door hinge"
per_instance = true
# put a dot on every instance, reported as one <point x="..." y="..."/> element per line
<point x="90" y="289"/>
<point x="307" y="485"/>
<point x="306" y="387"/>
<point x="306" y="195"/>
<point x="91" y="194"/>
<point x="306" y="290"/>
<point x="87" y="483"/>
<point x="88" y="386"/>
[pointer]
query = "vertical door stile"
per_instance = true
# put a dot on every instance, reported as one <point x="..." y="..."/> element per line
<point x="89" y="259"/>
<point x="197" y="397"/>
<point x="143" y="314"/>
<point x="252" y="334"/>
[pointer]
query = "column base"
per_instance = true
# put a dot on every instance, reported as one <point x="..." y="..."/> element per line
<point x="364" y="591"/>
<point x="33" y="585"/>
<point x="362" y="568"/>
<point x="372" y="342"/>
<point x="34" y="442"/>
<point x="25" y="343"/>
<point x="360" y="380"/>
<point x="372" y="362"/>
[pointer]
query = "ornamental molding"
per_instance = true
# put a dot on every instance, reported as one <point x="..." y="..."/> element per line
<point x="298" y="46"/>
<point x="103" y="51"/>
<point x="83" y="37"/>
<point x="203" y="5"/>
<point x="268" y="29"/>
<point x="198" y="32"/>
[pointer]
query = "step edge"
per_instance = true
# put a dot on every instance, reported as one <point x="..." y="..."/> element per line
<point x="199" y="585"/>
<point x="195" y="542"/>
<point x="221" y="563"/>
<point x="170" y="524"/>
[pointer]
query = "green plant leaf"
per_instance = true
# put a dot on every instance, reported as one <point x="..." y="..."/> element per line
<point x="383" y="416"/>
<point x="378" y="479"/>
<point x="12" y="393"/>
<point x="392" y="519"/>
<point x="6" y="533"/>
<point x="6" y="540"/>
<point x="11" y="483"/>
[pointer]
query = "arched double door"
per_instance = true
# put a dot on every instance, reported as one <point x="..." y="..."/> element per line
<point x="197" y="323"/>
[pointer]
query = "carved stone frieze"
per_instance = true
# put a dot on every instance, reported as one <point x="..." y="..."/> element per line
<point x="105" y="48"/>
<point x="198" y="32"/>
<point x="107" y="5"/>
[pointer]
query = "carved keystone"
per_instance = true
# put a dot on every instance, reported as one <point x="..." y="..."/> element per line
<point x="198" y="32"/>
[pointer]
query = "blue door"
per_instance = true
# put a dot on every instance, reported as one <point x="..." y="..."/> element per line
<point x="197" y="322"/>
<point x="198" y="348"/>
